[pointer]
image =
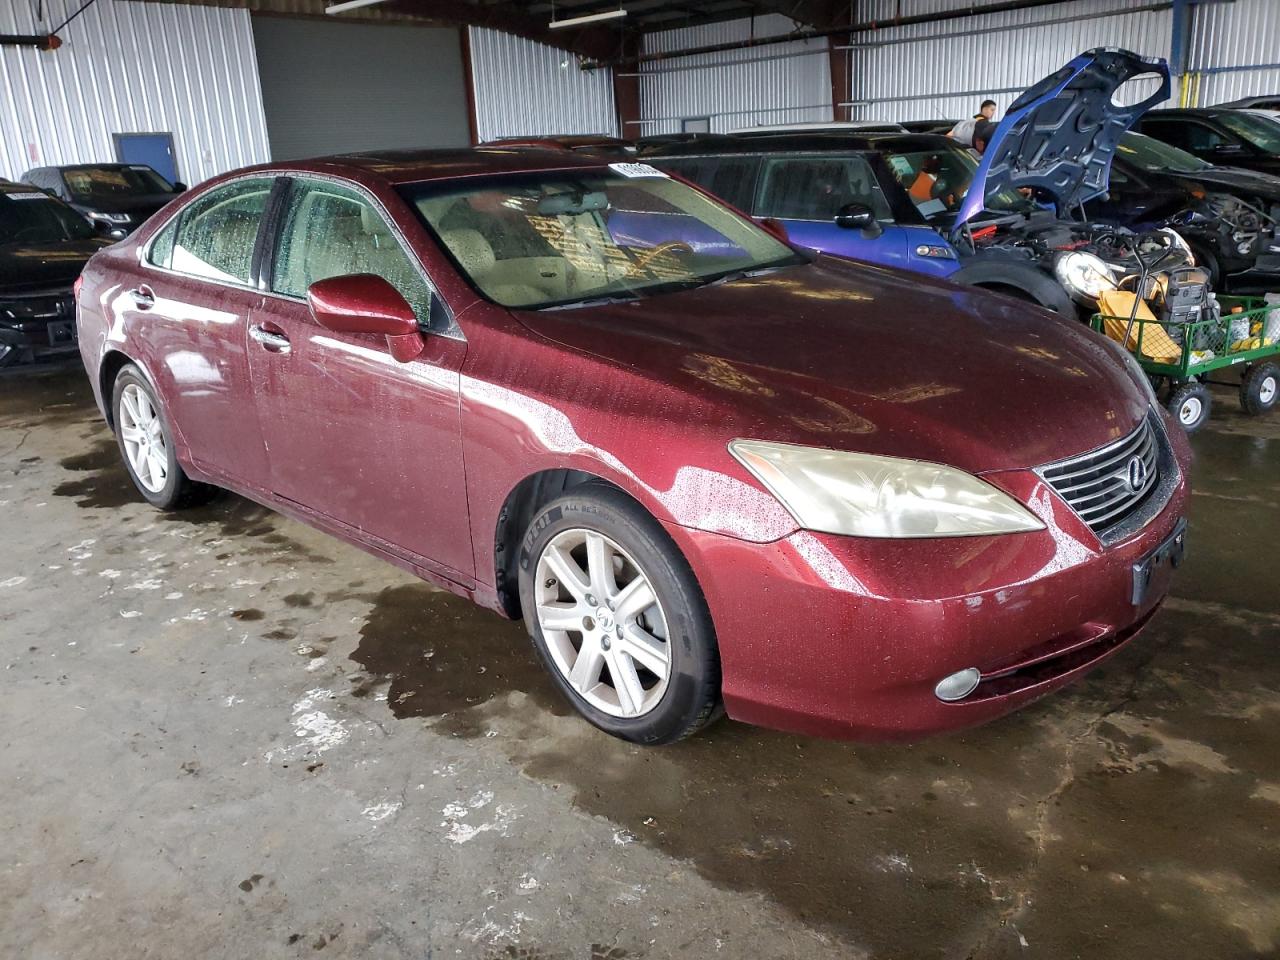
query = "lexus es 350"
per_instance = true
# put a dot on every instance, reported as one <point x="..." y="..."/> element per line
<point x="712" y="472"/>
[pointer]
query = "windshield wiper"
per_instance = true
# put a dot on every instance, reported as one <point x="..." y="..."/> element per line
<point x="589" y="302"/>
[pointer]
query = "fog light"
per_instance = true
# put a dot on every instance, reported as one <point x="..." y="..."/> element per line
<point x="959" y="685"/>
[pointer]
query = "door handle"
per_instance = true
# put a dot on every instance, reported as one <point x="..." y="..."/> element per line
<point x="275" y="342"/>
<point x="143" y="297"/>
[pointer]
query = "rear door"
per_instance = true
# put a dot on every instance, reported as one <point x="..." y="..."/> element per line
<point x="806" y="191"/>
<point x="190" y="305"/>
<point x="352" y="434"/>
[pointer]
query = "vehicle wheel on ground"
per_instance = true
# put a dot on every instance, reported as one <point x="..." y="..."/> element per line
<point x="1190" y="403"/>
<point x="1208" y="261"/>
<point x="1260" y="389"/>
<point x="617" y="617"/>
<point x="146" y="445"/>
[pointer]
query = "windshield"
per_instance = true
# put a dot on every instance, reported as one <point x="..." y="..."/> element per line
<point x="1262" y="132"/>
<point x="1156" y="156"/>
<point x="938" y="178"/>
<point x="114" y="182"/>
<point x="559" y="238"/>
<point x="35" y="217"/>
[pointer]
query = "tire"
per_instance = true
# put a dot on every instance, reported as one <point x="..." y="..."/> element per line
<point x="1260" y="389"/>
<point x="1016" y="279"/>
<point x="559" y="584"/>
<point x="171" y="488"/>
<point x="1190" y="404"/>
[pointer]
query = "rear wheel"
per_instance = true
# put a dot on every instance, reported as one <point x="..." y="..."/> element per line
<point x="1260" y="389"/>
<point x="1190" y="403"/>
<point x="617" y="617"/>
<point x="146" y="445"/>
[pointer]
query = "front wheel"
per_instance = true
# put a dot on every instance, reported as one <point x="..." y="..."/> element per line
<point x="146" y="445"/>
<point x="617" y="617"/>
<point x="1190" y="403"/>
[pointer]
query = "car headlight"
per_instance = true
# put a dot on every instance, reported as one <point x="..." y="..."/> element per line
<point x="1084" y="276"/>
<point x="862" y="495"/>
<point x="1181" y="244"/>
<point x="109" y="217"/>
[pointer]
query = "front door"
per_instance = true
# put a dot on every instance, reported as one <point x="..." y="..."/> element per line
<point x="806" y="192"/>
<point x="351" y="433"/>
<point x="191" y="303"/>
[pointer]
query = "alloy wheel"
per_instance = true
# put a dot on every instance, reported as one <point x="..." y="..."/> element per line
<point x="603" y="623"/>
<point x="143" y="436"/>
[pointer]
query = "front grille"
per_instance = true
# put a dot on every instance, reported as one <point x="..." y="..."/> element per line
<point x="1099" y="486"/>
<point x="38" y="305"/>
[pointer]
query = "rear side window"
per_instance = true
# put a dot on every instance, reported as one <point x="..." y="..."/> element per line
<point x="161" y="250"/>
<point x="215" y="235"/>
<point x="814" y="188"/>
<point x="332" y="231"/>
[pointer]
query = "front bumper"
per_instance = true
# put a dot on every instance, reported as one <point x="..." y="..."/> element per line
<point x="43" y="322"/>
<point x="848" y="637"/>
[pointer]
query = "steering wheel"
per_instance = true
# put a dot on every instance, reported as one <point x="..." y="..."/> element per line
<point x="662" y="249"/>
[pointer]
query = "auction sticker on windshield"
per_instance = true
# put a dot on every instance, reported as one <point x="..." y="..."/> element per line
<point x="27" y="196"/>
<point x="637" y="170"/>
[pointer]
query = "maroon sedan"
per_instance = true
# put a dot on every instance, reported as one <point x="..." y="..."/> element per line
<point x="705" y="467"/>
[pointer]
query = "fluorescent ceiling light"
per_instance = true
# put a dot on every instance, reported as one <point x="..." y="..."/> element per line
<point x="350" y="5"/>
<point x="588" y="18"/>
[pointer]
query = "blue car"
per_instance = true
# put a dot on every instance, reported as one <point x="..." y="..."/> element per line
<point x="921" y="202"/>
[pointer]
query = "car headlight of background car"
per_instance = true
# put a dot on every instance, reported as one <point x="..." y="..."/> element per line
<point x="111" y="219"/>
<point x="862" y="495"/>
<point x="1084" y="276"/>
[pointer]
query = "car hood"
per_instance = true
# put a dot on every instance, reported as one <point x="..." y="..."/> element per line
<point x="1235" y="180"/>
<point x="39" y="266"/>
<point x="855" y="357"/>
<point x="1060" y="135"/>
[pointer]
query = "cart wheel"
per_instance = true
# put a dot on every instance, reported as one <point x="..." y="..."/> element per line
<point x="1190" y="403"/>
<point x="1260" y="389"/>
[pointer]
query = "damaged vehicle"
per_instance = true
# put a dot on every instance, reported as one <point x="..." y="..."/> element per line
<point x="922" y="202"/>
<point x="1227" y="215"/>
<point x="44" y="245"/>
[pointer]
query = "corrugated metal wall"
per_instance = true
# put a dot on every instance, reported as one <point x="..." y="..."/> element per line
<point x="131" y="68"/>
<point x="524" y="88"/>
<point x="946" y="68"/>
<point x="1235" y="51"/>
<point x="781" y="83"/>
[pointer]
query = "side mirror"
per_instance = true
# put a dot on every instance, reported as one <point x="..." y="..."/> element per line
<point x="775" y="227"/>
<point x="179" y="187"/>
<point x="365" y="303"/>
<point x="857" y="216"/>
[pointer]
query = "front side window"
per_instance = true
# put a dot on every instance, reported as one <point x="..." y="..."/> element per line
<point x="215" y="235"/>
<point x="104" y="183"/>
<point x="1261" y="132"/>
<point x="330" y="230"/>
<point x="557" y="238"/>
<point x="32" y="216"/>
<point x="815" y="188"/>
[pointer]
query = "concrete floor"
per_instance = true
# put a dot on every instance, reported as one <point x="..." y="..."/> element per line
<point x="226" y="735"/>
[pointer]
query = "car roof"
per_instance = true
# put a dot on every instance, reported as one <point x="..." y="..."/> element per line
<point x="414" y="166"/>
<point x="817" y="141"/>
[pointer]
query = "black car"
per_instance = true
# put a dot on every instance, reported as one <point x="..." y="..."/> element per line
<point x="929" y="126"/>
<point x="1219" y="135"/>
<point x="1227" y="215"/>
<point x="1269" y="101"/>
<point x="44" y="244"/>
<point x="116" y="197"/>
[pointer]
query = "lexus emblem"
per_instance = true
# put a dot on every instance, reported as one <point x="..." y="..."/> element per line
<point x="1136" y="474"/>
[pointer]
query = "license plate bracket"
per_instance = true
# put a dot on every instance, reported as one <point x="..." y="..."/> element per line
<point x="1169" y="554"/>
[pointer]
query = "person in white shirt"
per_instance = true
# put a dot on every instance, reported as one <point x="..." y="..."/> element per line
<point x="962" y="132"/>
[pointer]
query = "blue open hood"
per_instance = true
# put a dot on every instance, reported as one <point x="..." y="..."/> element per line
<point x="1060" y="135"/>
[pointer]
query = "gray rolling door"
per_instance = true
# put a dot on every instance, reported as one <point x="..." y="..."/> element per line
<point x="335" y="87"/>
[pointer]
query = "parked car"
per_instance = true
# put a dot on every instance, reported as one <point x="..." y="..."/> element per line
<point x="595" y="144"/>
<point x="826" y="126"/>
<point x="929" y="126"/>
<point x="115" y="197"/>
<point x="704" y="466"/>
<point x="923" y="202"/>
<point x="43" y="246"/>
<point x="1228" y="216"/>
<point x="1219" y="135"/>
<point x="1265" y="102"/>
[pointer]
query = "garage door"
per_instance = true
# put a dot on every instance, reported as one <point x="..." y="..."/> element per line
<point x="335" y="87"/>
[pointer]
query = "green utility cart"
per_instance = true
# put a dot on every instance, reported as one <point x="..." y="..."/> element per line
<point x="1185" y="355"/>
